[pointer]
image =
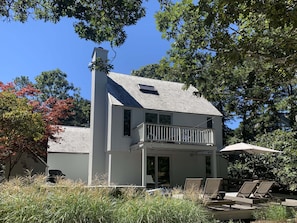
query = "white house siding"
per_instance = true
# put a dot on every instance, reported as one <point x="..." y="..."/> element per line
<point x="125" y="168"/>
<point x="73" y="165"/>
<point x="222" y="164"/>
<point x="116" y="140"/>
<point x="186" y="165"/>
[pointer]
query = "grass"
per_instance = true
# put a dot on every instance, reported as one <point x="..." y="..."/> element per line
<point x="30" y="199"/>
<point x="275" y="212"/>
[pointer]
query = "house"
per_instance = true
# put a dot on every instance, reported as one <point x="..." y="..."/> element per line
<point x="71" y="153"/>
<point x="27" y="164"/>
<point x="145" y="127"/>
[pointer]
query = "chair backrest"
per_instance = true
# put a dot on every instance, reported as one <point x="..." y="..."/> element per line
<point x="247" y="188"/>
<point x="149" y="179"/>
<point x="212" y="187"/>
<point x="263" y="189"/>
<point x="193" y="184"/>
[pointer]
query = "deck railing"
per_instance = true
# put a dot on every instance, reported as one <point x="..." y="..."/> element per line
<point x="172" y="134"/>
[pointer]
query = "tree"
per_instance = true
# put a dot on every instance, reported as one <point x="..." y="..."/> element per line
<point x="155" y="71"/>
<point x="278" y="167"/>
<point x="98" y="21"/>
<point x="54" y="84"/>
<point x="239" y="54"/>
<point x="26" y="124"/>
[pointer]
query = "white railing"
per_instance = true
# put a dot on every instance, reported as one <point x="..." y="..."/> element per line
<point x="172" y="134"/>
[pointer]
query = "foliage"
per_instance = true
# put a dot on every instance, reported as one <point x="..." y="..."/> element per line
<point x="32" y="201"/>
<point x="160" y="209"/>
<point x="283" y="165"/>
<point x="98" y="21"/>
<point x="239" y="57"/>
<point x="279" y="167"/>
<point x="54" y="84"/>
<point x="26" y="124"/>
<point x="274" y="212"/>
<point x="155" y="71"/>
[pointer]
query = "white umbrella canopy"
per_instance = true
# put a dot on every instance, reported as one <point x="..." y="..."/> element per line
<point x="248" y="148"/>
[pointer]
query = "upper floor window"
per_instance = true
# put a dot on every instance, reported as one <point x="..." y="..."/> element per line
<point x="127" y="122"/>
<point x="209" y="122"/>
<point x="156" y="118"/>
<point x="165" y="119"/>
<point x="151" y="118"/>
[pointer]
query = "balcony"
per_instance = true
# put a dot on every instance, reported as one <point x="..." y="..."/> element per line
<point x="172" y="134"/>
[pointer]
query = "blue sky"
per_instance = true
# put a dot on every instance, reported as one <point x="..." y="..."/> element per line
<point x="33" y="47"/>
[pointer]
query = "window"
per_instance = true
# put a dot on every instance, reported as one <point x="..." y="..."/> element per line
<point x="165" y="119"/>
<point x="155" y="118"/>
<point x="151" y="118"/>
<point x="127" y="122"/>
<point x="209" y="123"/>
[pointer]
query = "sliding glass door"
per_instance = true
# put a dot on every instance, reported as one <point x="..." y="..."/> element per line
<point x="159" y="168"/>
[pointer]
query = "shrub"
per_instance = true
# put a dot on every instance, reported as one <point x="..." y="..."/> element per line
<point x="31" y="200"/>
<point x="274" y="212"/>
<point x="153" y="209"/>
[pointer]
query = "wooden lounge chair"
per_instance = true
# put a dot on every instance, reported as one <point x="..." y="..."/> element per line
<point x="212" y="187"/>
<point x="193" y="184"/>
<point x="262" y="190"/>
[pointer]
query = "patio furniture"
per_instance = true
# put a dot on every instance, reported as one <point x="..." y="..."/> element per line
<point x="53" y="176"/>
<point x="212" y="187"/>
<point x="193" y="184"/>
<point x="246" y="189"/>
<point x="251" y="194"/>
<point x="150" y="183"/>
<point x="263" y="189"/>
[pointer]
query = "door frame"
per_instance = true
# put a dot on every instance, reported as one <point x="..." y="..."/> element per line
<point x="156" y="165"/>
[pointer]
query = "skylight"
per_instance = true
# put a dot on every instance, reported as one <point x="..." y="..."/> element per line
<point x="148" y="89"/>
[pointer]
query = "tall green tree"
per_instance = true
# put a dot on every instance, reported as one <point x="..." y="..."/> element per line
<point x="54" y="83"/>
<point x="239" y="54"/>
<point x="95" y="20"/>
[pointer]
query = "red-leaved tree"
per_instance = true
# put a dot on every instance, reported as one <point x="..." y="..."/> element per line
<point x="26" y="123"/>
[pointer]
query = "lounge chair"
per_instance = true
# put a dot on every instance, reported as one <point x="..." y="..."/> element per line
<point x="193" y="184"/>
<point x="246" y="189"/>
<point x="212" y="187"/>
<point x="150" y="183"/>
<point x="246" y="193"/>
<point x="262" y="190"/>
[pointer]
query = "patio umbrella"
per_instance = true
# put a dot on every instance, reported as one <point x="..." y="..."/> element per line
<point x="248" y="148"/>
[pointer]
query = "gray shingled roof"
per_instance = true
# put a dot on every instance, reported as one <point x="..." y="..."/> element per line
<point x="73" y="140"/>
<point x="123" y="90"/>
